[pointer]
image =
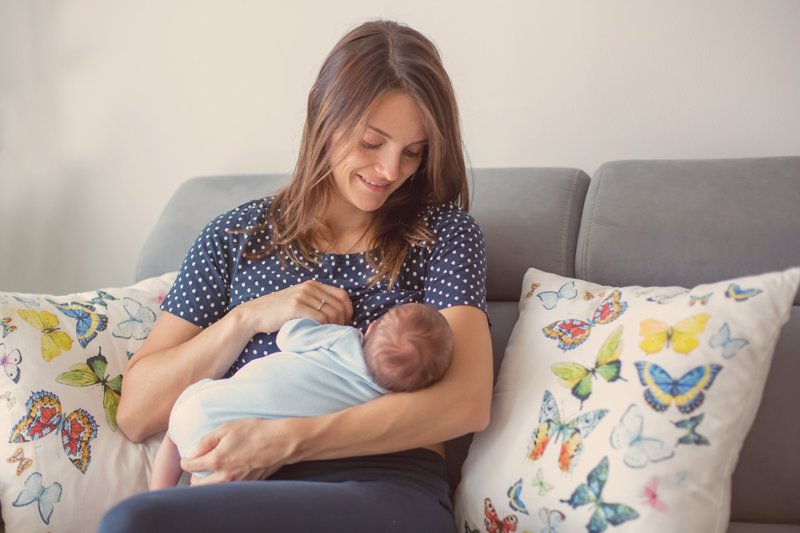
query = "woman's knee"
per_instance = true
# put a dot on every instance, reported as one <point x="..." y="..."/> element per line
<point x="144" y="512"/>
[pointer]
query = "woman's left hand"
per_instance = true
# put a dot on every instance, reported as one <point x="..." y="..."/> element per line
<point x="248" y="449"/>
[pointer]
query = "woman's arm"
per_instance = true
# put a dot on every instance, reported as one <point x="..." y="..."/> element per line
<point x="178" y="353"/>
<point x="175" y="355"/>
<point x="458" y="404"/>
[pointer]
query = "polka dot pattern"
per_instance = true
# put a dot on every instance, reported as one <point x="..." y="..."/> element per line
<point x="215" y="278"/>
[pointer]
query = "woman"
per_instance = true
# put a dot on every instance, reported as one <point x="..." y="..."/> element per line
<point x="375" y="215"/>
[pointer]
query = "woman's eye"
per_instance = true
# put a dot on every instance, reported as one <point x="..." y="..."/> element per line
<point x="371" y="146"/>
<point x="413" y="155"/>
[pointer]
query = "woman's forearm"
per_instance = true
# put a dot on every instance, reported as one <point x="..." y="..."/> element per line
<point x="175" y="355"/>
<point x="393" y="423"/>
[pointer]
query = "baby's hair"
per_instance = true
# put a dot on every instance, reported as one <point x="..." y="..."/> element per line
<point x="409" y="348"/>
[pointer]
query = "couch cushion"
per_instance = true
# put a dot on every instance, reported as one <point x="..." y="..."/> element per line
<point x="693" y="221"/>
<point x="686" y="222"/>
<point x="529" y="218"/>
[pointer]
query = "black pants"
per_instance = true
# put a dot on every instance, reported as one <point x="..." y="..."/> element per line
<point x="399" y="492"/>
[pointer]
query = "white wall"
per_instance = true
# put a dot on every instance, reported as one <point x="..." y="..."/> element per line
<point x="107" y="105"/>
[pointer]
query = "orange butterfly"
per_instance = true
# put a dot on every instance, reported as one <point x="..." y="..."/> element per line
<point x="24" y="462"/>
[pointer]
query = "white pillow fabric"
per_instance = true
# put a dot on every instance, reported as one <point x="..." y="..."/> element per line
<point x="65" y="461"/>
<point x="623" y="408"/>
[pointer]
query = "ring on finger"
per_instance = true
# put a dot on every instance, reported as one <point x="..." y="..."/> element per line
<point x="321" y="303"/>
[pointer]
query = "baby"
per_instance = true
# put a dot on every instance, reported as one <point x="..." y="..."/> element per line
<point x="319" y="369"/>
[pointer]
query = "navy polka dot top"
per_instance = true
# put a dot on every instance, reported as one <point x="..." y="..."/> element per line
<point x="214" y="277"/>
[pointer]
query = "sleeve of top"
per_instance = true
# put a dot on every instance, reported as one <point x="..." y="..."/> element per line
<point x="201" y="292"/>
<point x="456" y="269"/>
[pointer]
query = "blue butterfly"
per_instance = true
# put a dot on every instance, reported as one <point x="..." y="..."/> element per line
<point x="640" y="450"/>
<point x="139" y="316"/>
<point x="729" y="346"/>
<point x="551" y="518"/>
<point x="590" y="493"/>
<point x="739" y="294"/>
<point x="514" y="497"/>
<point x="693" y="437"/>
<point x="101" y="298"/>
<point x="686" y="392"/>
<point x="550" y="298"/>
<point x="88" y="324"/>
<point x="35" y="491"/>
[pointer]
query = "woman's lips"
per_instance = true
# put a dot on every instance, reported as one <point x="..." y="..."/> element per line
<point x="372" y="185"/>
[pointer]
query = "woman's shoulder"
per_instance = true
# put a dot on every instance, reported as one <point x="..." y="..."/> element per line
<point x="449" y="217"/>
<point x="247" y="215"/>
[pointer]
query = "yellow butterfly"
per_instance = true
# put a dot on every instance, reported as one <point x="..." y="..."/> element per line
<point x="54" y="341"/>
<point x="682" y="336"/>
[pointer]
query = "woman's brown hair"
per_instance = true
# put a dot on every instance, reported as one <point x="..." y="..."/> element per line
<point x="373" y="60"/>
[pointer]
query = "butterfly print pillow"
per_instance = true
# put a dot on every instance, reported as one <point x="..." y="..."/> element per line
<point x="623" y="408"/>
<point x="64" y="461"/>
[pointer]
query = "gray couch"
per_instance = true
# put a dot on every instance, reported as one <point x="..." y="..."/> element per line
<point x="632" y="223"/>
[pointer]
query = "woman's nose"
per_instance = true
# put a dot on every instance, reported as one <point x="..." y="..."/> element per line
<point x="389" y="166"/>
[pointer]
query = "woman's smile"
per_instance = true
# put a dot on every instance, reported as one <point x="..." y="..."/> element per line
<point x="373" y="185"/>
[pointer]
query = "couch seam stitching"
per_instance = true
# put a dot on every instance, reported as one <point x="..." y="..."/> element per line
<point x="565" y="226"/>
<point x="590" y="223"/>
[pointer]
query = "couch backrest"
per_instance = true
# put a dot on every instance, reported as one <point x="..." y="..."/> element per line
<point x="689" y="222"/>
<point x="190" y="208"/>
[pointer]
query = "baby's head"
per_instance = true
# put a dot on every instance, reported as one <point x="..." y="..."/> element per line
<point x="408" y="348"/>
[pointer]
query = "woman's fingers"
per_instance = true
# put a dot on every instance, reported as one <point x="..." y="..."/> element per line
<point x="331" y="304"/>
<point x="202" y="458"/>
<point x="310" y="299"/>
<point x="236" y="453"/>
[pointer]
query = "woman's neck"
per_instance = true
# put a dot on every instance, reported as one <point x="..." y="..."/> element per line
<point x="349" y="230"/>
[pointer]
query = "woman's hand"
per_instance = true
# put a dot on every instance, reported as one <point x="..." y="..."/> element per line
<point x="247" y="449"/>
<point x="310" y="299"/>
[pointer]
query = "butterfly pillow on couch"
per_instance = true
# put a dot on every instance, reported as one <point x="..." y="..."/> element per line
<point x="623" y="408"/>
<point x="64" y="460"/>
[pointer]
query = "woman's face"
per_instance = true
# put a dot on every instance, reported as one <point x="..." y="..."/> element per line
<point x="388" y="153"/>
